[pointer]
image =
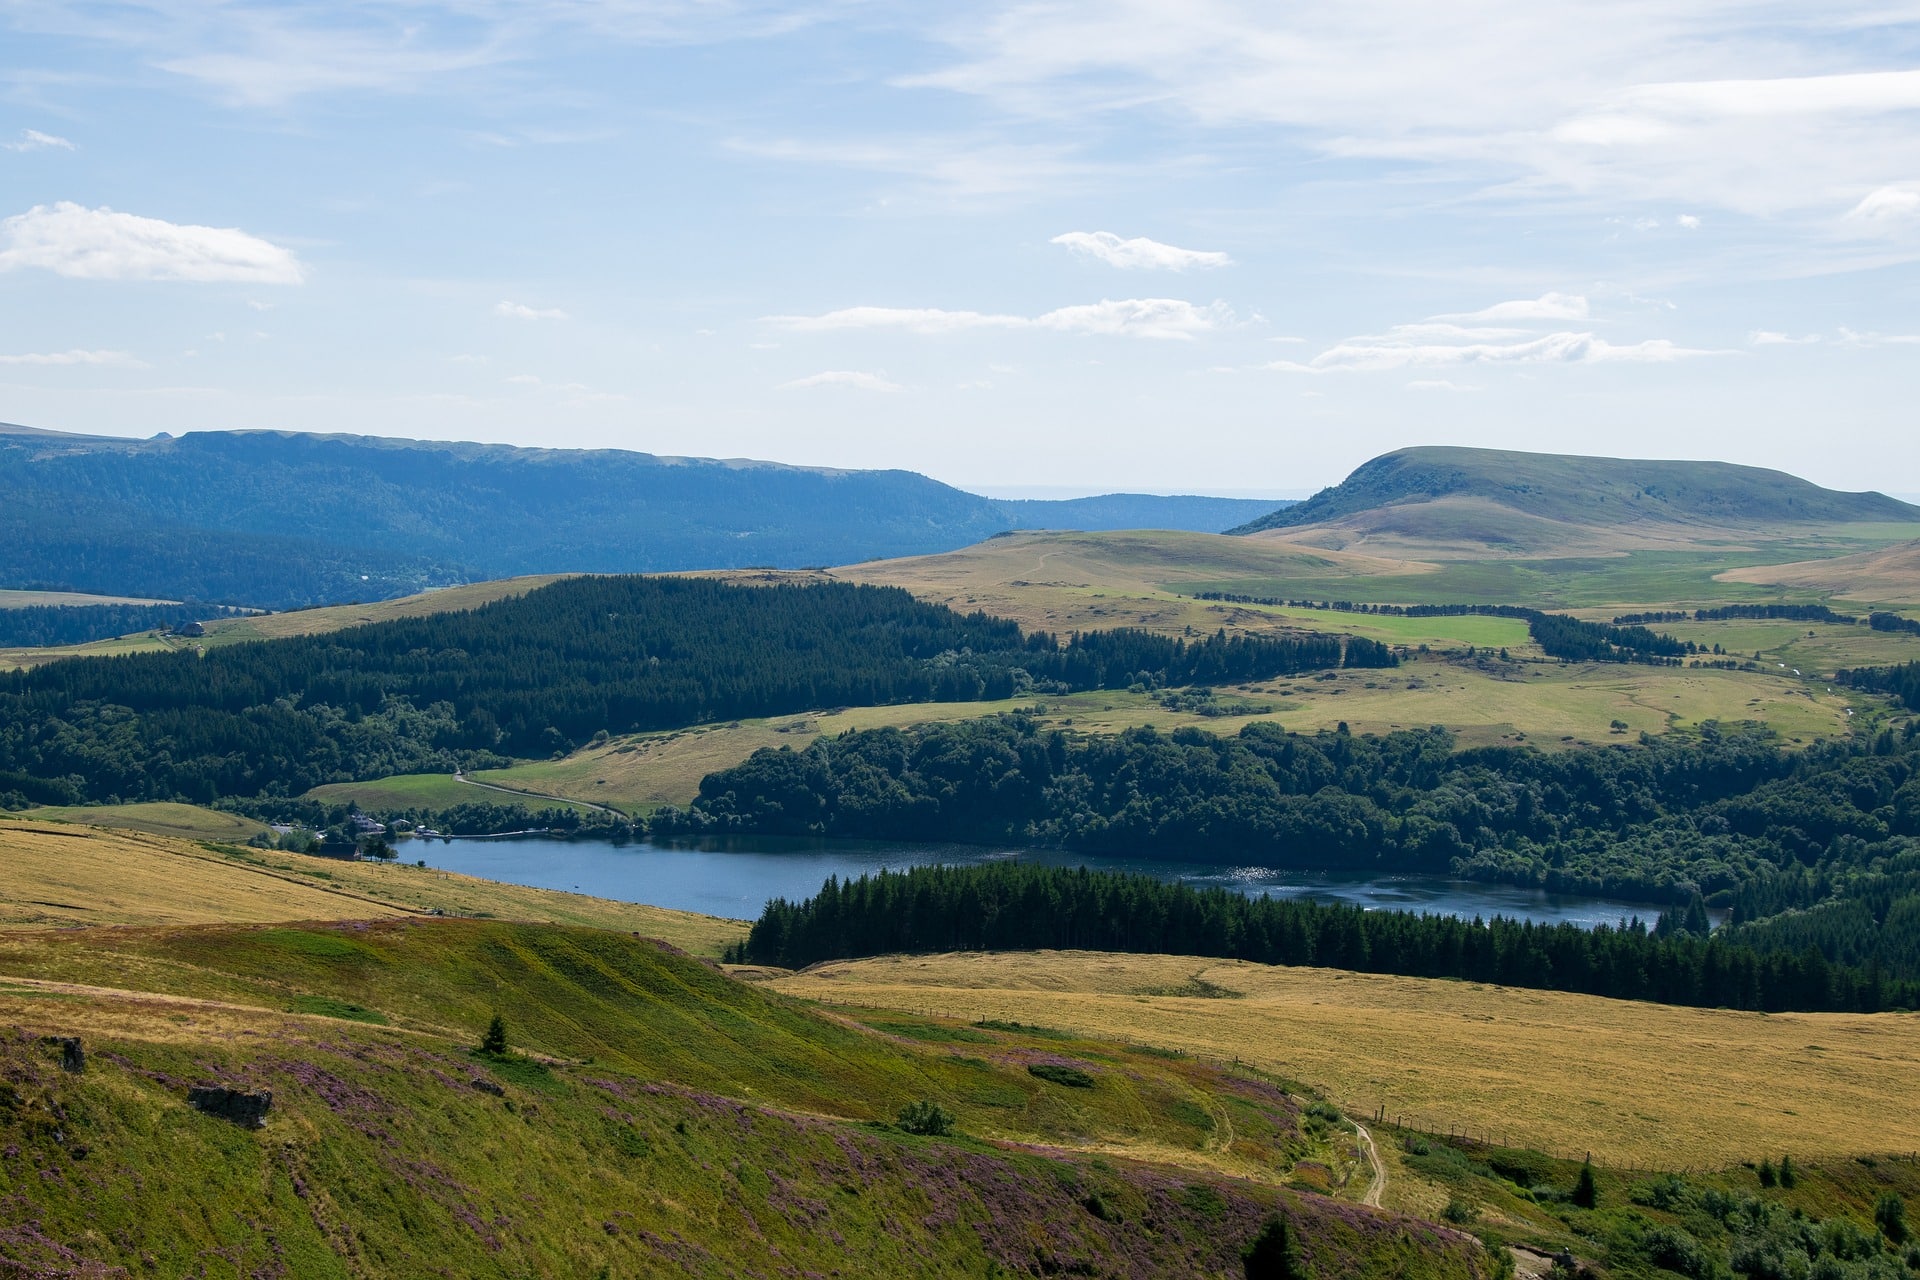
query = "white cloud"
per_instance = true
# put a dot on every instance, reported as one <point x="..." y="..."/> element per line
<point x="1548" y="306"/>
<point x="1853" y="339"/>
<point x="34" y="140"/>
<point x="1888" y="207"/>
<point x="1438" y="384"/>
<point x="852" y="378"/>
<point x="520" y="311"/>
<point x="1688" y="222"/>
<point x="1136" y="317"/>
<point x="1770" y="338"/>
<point x="100" y="244"/>
<point x="117" y="358"/>
<point x="1139" y="253"/>
<point x="1363" y="356"/>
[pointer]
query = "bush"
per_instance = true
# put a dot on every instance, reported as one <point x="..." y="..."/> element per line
<point x="1071" y="1077"/>
<point x="1459" y="1212"/>
<point x="928" y="1119"/>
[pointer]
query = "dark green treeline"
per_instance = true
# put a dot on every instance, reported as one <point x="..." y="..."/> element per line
<point x="1013" y="907"/>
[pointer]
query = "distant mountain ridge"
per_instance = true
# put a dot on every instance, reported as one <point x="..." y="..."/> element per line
<point x="1508" y="497"/>
<point x="280" y="519"/>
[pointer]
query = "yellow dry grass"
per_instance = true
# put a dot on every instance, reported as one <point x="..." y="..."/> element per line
<point x="62" y="876"/>
<point x="158" y="818"/>
<point x="1637" y="1084"/>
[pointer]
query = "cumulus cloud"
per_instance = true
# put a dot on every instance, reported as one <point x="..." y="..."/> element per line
<point x="1548" y="306"/>
<point x="119" y="358"/>
<point x="1139" y="253"/>
<point x="1362" y="356"/>
<point x="1688" y="222"/>
<point x="34" y="140"/>
<point x="852" y="378"/>
<point x="101" y="244"/>
<point x="520" y="311"/>
<point x="1134" y="317"/>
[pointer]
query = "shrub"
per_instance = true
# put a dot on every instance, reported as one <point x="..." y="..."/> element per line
<point x="1768" y="1177"/>
<point x="1676" y="1250"/>
<point x="1459" y="1212"/>
<point x="1788" y="1175"/>
<point x="928" y="1119"/>
<point x="1071" y="1077"/>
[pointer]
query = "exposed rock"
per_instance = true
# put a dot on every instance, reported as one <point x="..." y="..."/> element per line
<point x="72" y="1056"/>
<point x="248" y="1110"/>
<point x="485" y="1085"/>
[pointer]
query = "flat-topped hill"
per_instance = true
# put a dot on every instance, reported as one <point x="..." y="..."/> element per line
<point x="1530" y="502"/>
<point x="280" y="519"/>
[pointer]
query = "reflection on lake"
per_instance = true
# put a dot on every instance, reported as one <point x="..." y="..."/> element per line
<point x="737" y="877"/>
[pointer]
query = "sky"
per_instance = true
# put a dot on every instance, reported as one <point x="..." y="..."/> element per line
<point x="1019" y="245"/>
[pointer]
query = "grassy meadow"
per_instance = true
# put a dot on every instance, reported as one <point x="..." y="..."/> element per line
<point x="1637" y="1084"/>
<point x="63" y="875"/>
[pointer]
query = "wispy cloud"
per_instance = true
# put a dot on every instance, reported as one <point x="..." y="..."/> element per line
<point x="101" y="244"/>
<point x="1552" y="348"/>
<point x="1888" y="208"/>
<point x="34" y="140"/>
<point x="853" y="379"/>
<point x="1771" y="338"/>
<point x="1139" y="253"/>
<point x="520" y="311"/>
<point x="111" y="358"/>
<point x="1133" y="317"/>
<point x="1853" y="339"/>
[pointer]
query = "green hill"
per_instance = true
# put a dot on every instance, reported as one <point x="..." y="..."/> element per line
<point x="1508" y="492"/>
<point x="655" y="1117"/>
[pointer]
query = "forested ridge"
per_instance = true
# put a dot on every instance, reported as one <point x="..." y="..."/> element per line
<point x="1901" y="682"/>
<point x="1013" y="907"/>
<point x="1729" y="815"/>
<point x="542" y="673"/>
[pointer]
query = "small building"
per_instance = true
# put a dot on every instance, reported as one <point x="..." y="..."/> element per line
<point x="192" y="630"/>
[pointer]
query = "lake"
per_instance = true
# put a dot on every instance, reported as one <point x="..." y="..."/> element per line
<point x="737" y="877"/>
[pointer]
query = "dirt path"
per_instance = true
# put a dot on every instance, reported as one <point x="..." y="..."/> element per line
<point x="535" y="795"/>
<point x="1378" y="1187"/>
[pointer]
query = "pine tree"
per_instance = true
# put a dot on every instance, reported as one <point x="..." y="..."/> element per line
<point x="1768" y="1177"/>
<point x="495" y="1041"/>
<point x="1585" y="1193"/>
<point x="1274" y="1254"/>
<point x="1890" y="1215"/>
<point x="1787" y="1174"/>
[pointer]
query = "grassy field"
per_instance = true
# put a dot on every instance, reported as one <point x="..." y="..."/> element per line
<point x="31" y="599"/>
<point x="1637" y="1084"/>
<point x="59" y="875"/>
<point x="1888" y="575"/>
<point x="432" y="791"/>
<point x="188" y="821"/>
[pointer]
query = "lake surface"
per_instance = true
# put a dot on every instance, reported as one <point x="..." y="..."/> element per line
<point x="736" y="878"/>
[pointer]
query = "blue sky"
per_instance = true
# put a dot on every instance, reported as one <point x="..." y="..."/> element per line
<point x="1201" y="246"/>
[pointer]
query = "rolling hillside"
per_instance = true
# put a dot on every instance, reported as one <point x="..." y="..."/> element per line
<point x="1455" y="503"/>
<point x="278" y="519"/>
